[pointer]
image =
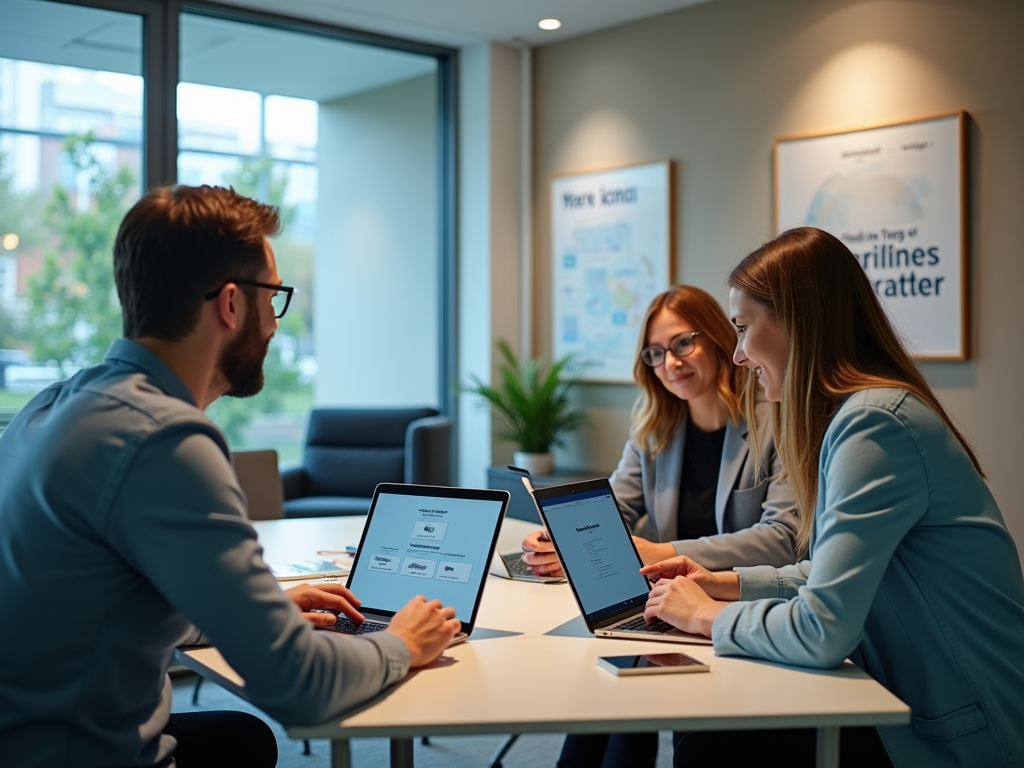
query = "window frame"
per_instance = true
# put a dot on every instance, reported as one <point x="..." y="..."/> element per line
<point x="160" y="57"/>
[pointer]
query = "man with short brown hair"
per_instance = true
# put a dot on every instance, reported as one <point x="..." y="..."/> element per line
<point x="123" y="531"/>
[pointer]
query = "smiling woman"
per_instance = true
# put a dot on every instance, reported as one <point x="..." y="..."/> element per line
<point x="688" y="481"/>
<point x="910" y="570"/>
<point x="762" y="343"/>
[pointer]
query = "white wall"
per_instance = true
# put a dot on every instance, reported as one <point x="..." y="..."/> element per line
<point x="488" y="286"/>
<point x="711" y="87"/>
<point x="376" y="270"/>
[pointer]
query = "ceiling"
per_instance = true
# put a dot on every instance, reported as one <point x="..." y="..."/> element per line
<point x="463" y="22"/>
<point x="213" y="51"/>
<point x="267" y="60"/>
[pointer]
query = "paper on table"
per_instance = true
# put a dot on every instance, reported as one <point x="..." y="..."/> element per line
<point x="307" y="569"/>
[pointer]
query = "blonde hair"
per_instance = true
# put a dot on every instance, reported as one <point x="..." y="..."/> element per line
<point x="840" y="342"/>
<point x="658" y="413"/>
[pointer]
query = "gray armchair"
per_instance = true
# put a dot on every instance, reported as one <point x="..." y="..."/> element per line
<point x="349" y="450"/>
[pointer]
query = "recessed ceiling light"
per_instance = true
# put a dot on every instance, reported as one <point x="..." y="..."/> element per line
<point x="549" y="24"/>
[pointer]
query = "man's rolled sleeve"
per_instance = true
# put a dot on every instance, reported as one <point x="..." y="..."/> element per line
<point x="395" y="653"/>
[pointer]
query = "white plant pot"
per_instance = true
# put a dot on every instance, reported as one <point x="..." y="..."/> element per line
<point x="535" y="463"/>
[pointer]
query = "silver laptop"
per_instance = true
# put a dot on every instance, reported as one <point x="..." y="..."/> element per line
<point x="424" y="540"/>
<point x="521" y="505"/>
<point x="601" y="562"/>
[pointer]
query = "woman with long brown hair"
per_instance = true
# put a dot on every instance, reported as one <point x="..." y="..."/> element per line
<point x="688" y="482"/>
<point x="915" y="577"/>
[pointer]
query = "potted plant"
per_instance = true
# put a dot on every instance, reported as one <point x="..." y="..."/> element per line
<point x="532" y="404"/>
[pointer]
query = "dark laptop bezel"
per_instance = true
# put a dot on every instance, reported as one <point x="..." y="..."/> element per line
<point x="437" y="491"/>
<point x="522" y="482"/>
<point x="598" y="619"/>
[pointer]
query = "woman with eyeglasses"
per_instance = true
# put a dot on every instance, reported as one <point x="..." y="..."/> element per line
<point x="912" y="574"/>
<point x="688" y="482"/>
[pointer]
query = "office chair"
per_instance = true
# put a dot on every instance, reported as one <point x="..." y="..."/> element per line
<point x="349" y="451"/>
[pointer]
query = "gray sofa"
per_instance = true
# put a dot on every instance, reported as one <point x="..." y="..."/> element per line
<point x="349" y="451"/>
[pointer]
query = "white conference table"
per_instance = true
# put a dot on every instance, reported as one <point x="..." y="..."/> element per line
<point x="530" y="667"/>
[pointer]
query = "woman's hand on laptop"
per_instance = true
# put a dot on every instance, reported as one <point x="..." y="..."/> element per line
<point x="720" y="585"/>
<point x="332" y="597"/>
<point x="652" y="552"/>
<point x="539" y="552"/>
<point x="684" y="605"/>
<point x="426" y="628"/>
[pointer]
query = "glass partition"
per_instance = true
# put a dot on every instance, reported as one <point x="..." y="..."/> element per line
<point x="342" y="137"/>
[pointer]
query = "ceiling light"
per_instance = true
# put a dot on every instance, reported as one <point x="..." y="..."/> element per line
<point x="9" y="241"/>
<point x="549" y="24"/>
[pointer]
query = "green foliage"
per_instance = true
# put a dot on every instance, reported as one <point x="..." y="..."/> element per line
<point x="75" y="314"/>
<point x="261" y="180"/>
<point x="10" y="338"/>
<point x="20" y="214"/>
<point x="532" y="405"/>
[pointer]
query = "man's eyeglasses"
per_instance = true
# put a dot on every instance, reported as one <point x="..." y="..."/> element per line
<point x="280" y="300"/>
<point x="680" y="346"/>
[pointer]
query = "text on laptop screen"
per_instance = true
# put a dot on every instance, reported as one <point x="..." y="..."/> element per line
<point x="595" y="549"/>
<point x="425" y="545"/>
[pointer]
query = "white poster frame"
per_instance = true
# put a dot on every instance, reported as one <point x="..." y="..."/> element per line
<point x="831" y="155"/>
<point x="651" y="214"/>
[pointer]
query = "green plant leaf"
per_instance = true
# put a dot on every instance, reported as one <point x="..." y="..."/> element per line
<point x="531" y="400"/>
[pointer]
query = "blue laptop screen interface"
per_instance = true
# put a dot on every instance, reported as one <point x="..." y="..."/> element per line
<point x="425" y="545"/>
<point x="595" y="550"/>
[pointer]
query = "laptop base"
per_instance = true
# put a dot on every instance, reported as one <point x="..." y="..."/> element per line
<point x="675" y="636"/>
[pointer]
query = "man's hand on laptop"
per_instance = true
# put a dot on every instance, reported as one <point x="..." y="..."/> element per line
<point x="332" y="597"/>
<point x="426" y="628"/>
<point x="539" y="552"/>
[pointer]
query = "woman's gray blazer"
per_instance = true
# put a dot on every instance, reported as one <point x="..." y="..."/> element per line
<point x="757" y="523"/>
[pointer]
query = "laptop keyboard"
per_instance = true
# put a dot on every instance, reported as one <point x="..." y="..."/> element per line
<point x="639" y="624"/>
<point x="517" y="567"/>
<point x="345" y="625"/>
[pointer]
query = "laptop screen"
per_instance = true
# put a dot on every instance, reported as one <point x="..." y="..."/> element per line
<point x="595" y="549"/>
<point x="433" y="545"/>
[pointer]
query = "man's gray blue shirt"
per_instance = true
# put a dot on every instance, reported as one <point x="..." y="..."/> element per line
<point x="123" y="534"/>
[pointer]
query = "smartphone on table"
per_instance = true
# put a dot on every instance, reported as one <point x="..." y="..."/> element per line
<point x="652" y="664"/>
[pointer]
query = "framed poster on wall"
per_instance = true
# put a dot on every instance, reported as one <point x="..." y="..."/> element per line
<point x="895" y="195"/>
<point x="611" y="254"/>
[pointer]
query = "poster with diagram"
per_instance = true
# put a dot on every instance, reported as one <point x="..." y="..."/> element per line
<point x="611" y="252"/>
<point x="895" y="196"/>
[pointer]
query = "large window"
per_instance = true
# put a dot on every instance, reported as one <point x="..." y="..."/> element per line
<point x="71" y="137"/>
<point x="349" y="137"/>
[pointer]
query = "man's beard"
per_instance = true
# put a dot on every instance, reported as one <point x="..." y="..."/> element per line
<point x="241" y="364"/>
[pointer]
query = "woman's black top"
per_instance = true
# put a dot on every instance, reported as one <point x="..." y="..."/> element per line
<point x="702" y="458"/>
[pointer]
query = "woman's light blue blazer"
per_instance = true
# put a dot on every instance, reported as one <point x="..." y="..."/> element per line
<point x="915" y="578"/>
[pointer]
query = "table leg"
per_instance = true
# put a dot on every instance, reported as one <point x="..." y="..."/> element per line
<point x="828" y="748"/>
<point x="341" y="755"/>
<point x="401" y="753"/>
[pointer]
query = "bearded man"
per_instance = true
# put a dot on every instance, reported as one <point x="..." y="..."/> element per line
<point x="123" y="531"/>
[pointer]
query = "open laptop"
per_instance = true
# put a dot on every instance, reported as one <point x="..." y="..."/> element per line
<point x="521" y="506"/>
<point x="601" y="562"/>
<point x="424" y="540"/>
